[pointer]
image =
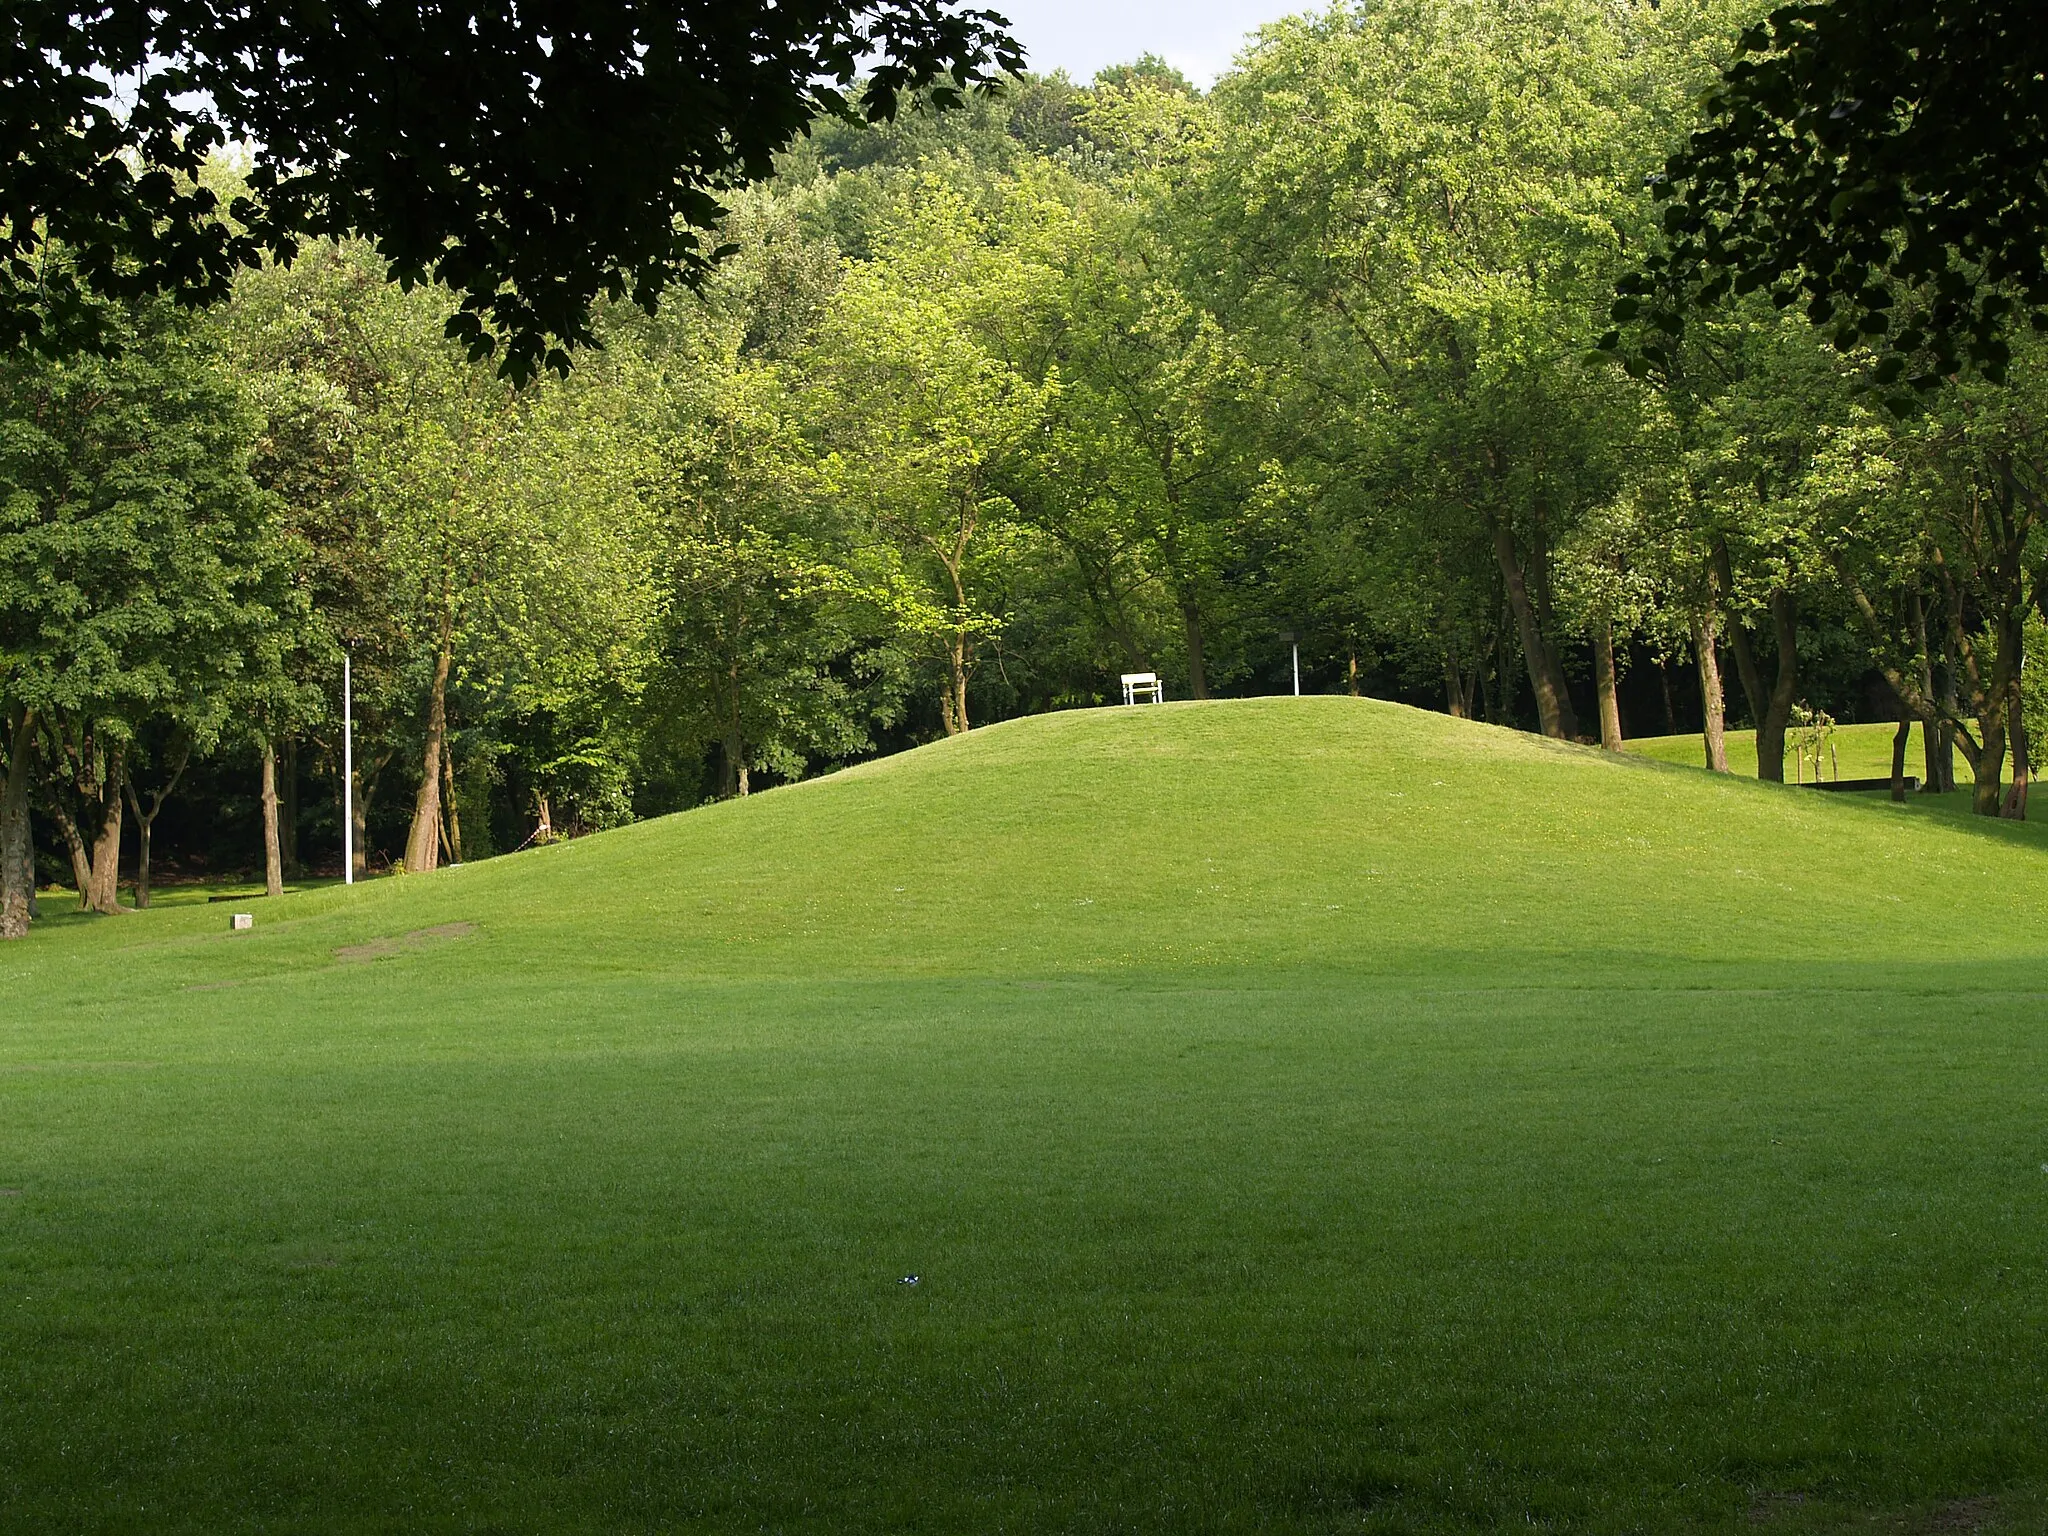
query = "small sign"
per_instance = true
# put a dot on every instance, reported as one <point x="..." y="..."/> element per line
<point x="244" y="921"/>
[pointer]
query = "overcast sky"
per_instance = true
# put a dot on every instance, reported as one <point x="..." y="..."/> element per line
<point x="1198" y="37"/>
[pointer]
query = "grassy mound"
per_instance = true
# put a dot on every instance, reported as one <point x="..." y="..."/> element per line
<point x="1298" y="1115"/>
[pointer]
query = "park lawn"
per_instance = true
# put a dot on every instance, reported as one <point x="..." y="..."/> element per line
<point x="1860" y="752"/>
<point x="1300" y="1115"/>
<point x="60" y="906"/>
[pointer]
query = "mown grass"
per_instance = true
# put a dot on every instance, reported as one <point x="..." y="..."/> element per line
<point x="1299" y="1115"/>
<point x="1857" y="752"/>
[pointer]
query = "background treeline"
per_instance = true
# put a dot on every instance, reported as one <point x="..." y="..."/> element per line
<point x="984" y="409"/>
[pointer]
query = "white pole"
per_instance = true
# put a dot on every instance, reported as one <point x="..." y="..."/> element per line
<point x="1297" y="670"/>
<point x="348" y="777"/>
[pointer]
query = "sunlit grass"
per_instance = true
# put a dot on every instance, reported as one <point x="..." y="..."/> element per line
<point x="1298" y="1115"/>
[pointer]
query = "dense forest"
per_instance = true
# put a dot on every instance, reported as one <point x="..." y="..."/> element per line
<point x="981" y="409"/>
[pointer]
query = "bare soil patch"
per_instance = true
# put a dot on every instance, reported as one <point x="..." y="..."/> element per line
<point x="1766" y="1507"/>
<point x="404" y="944"/>
<point x="1962" y="1515"/>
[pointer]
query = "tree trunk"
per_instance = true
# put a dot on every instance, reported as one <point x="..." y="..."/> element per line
<point x="544" y="831"/>
<point x="1931" y="737"/>
<point x="1457" y="697"/>
<point x="1198" y="673"/>
<point x="1777" y="710"/>
<point x="103" y="881"/>
<point x="1603" y="685"/>
<point x="1714" y="725"/>
<point x="1988" y="772"/>
<point x="1995" y="704"/>
<point x="145" y="826"/>
<point x="359" y="825"/>
<point x="1670" y="704"/>
<point x="74" y="845"/>
<point x="423" y="843"/>
<point x="273" y="844"/>
<point x="1554" y="712"/>
<point x="1951" y="703"/>
<point x="1900" y="738"/>
<point x="2014" y="807"/>
<point x="956" y="684"/>
<point x="288" y="809"/>
<point x="1722" y="572"/>
<point x="734" y="747"/>
<point x="1351" y="675"/>
<point x="17" y="853"/>
<point x="145" y="820"/>
<point x="450" y="805"/>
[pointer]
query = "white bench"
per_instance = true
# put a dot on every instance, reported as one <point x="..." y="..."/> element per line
<point x="1143" y="688"/>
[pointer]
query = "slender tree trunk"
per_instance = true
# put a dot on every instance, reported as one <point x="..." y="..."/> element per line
<point x="1993" y="701"/>
<point x="960" y="645"/>
<point x="367" y="778"/>
<point x="104" y="873"/>
<point x="1198" y="672"/>
<point x="288" y="809"/>
<point x="1553" y="698"/>
<point x="1777" y="711"/>
<point x="2014" y="807"/>
<point x="1714" y="725"/>
<point x="1746" y="670"/>
<point x="453" y="808"/>
<point x="1603" y="685"/>
<point x="1934" y="780"/>
<point x="74" y="846"/>
<point x="1670" y="704"/>
<point x="734" y="747"/>
<point x="1722" y="572"/>
<point x="145" y="827"/>
<point x="145" y="820"/>
<point x="1900" y="738"/>
<point x="544" y="832"/>
<point x="273" y="844"/>
<point x="956" y="684"/>
<point x="1951" y="703"/>
<point x="423" y="843"/>
<point x="1497" y="703"/>
<point x="1457" y="698"/>
<point x="17" y="852"/>
<point x="1988" y="772"/>
<point x="1351" y="676"/>
<point x="734" y="772"/>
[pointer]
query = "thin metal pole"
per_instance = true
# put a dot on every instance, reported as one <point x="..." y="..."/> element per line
<point x="1297" y="670"/>
<point x="348" y="775"/>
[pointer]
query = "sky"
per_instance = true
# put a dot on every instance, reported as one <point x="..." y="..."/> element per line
<point x="1198" y="37"/>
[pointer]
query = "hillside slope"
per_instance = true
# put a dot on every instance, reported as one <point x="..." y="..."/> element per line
<point x="1320" y="831"/>
<point x="1284" y="1116"/>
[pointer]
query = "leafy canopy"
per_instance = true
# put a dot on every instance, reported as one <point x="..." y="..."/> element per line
<point x="1884" y="160"/>
<point x="531" y="157"/>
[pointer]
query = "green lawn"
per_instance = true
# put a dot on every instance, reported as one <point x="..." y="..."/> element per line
<point x="1301" y="1115"/>
<point x="1860" y="752"/>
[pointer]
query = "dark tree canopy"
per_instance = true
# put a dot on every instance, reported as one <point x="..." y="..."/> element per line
<point x="532" y="156"/>
<point x="1886" y="162"/>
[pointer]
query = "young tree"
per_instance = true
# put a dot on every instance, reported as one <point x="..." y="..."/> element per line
<point x="934" y="379"/>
